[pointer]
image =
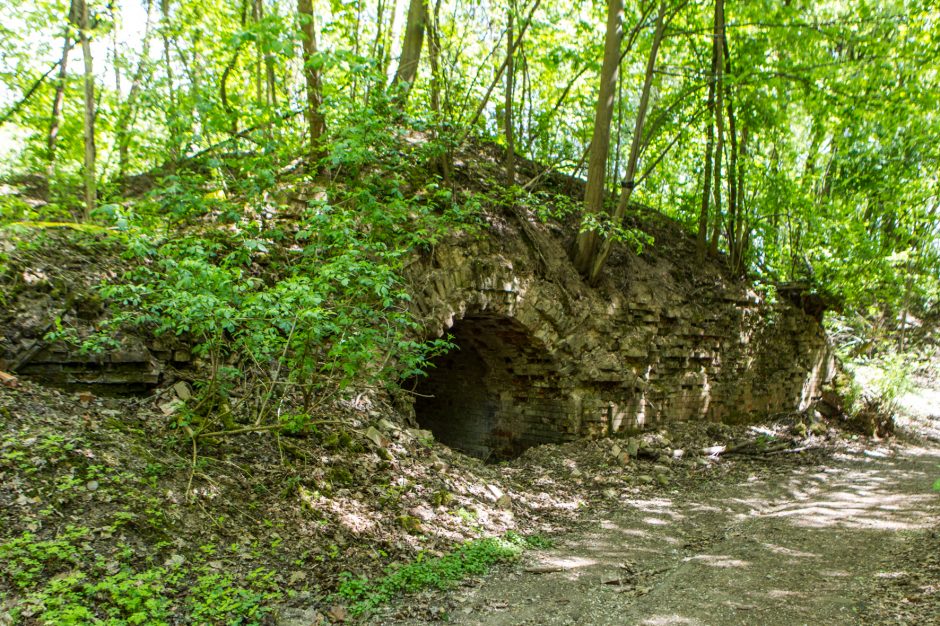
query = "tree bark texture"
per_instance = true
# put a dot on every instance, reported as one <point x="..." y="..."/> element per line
<point x="90" y="175"/>
<point x="59" y="98"/>
<point x="510" y="76"/>
<point x="719" y="35"/>
<point x="629" y="179"/>
<point x="316" y="123"/>
<point x="410" y="50"/>
<point x="586" y="243"/>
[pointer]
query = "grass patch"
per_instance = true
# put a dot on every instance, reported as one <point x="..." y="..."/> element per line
<point x="470" y="559"/>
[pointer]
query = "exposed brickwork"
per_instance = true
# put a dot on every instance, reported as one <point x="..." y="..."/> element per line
<point x="496" y="395"/>
<point x="545" y="358"/>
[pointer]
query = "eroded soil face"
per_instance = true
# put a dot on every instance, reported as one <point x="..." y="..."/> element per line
<point x="845" y="539"/>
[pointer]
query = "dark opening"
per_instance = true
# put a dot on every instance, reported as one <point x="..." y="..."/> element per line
<point x="495" y="395"/>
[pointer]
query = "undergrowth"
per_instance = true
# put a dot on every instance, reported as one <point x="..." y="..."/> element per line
<point x="470" y="559"/>
<point x="62" y="581"/>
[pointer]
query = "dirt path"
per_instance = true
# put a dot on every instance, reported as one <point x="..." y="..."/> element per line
<point x="807" y="545"/>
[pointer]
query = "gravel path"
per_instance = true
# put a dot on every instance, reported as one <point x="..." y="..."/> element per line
<point x="800" y="545"/>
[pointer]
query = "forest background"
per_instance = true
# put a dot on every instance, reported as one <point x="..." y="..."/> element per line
<point x="795" y="139"/>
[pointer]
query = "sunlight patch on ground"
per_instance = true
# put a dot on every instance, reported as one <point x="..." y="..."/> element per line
<point x="716" y="560"/>
<point x="789" y="551"/>
<point x="667" y="620"/>
<point x="568" y="562"/>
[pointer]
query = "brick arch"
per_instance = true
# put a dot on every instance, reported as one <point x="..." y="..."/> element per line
<point x="496" y="394"/>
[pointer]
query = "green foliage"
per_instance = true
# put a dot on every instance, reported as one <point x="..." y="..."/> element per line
<point x="64" y="583"/>
<point x="324" y="310"/>
<point x="834" y="186"/>
<point x="218" y="599"/>
<point x="601" y="223"/>
<point x="470" y="559"/>
<point x="25" y="559"/>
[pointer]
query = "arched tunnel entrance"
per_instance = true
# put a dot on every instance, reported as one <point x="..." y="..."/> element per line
<point x="494" y="395"/>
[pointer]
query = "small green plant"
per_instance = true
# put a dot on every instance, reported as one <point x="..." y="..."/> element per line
<point x="470" y="559"/>
<point x="218" y="599"/>
<point x="24" y="559"/>
<point x="60" y="583"/>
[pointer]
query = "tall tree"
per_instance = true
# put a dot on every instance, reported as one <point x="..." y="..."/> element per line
<point x="719" y="34"/>
<point x="90" y="175"/>
<point x="444" y="162"/>
<point x="316" y="122"/>
<point x="702" y="239"/>
<point x="585" y="246"/>
<point x="410" y="50"/>
<point x="629" y="178"/>
<point x="508" y="105"/>
<point x="59" y="97"/>
<point x="129" y="107"/>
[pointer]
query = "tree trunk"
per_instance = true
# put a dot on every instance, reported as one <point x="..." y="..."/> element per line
<point x="502" y="67"/>
<point x="719" y="119"/>
<point x="734" y="208"/>
<point x="510" y="76"/>
<point x="410" y="51"/>
<point x="629" y="181"/>
<point x="585" y="245"/>
<point x="702" y="239"/>
<point x="59" y="98"/>
<point x="742" y="235"/>
<point x="316" y="122"/>
<point x="257" y="12"/>
<point x="129" y="110"/>
<point x="443" y="163"/>
<point x="173" y="112"/>
<point x="357" y="33"/>
<point x="90" y="175"/>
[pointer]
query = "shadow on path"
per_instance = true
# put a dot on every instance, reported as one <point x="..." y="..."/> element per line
<point x="803" y="547"/>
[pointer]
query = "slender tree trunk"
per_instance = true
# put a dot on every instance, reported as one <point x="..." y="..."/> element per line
<point x="585" y="245"/>
<point x="742" y="233"/>
<point x="59" y="98"/>
<point x="410" y="51"/>
<point x="629" y="179"/>
<point x="173" y="112"/>
<point x="702" y="240"/>
<point x="90" y="175"/>
<point x="510" y="76"/>
<point x="614" y="174"/>
<point x="502" y="67"/>
<point x="734" y="208"/>
<point x="388" y="36"/>
<point x="434" y="55"/>
<point x="357" y="33"/>
<point x="316" y="122"/>
<point x="378" y="49"/>
<point x="129" y="110"/>
<point x="719" y="120"/>
<point x="257" y="13"/>
<point x="264" y="63"/>
<point x="115" y="58"/>
<point x="230" y="111"/>
<point x="443" y="163"/>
